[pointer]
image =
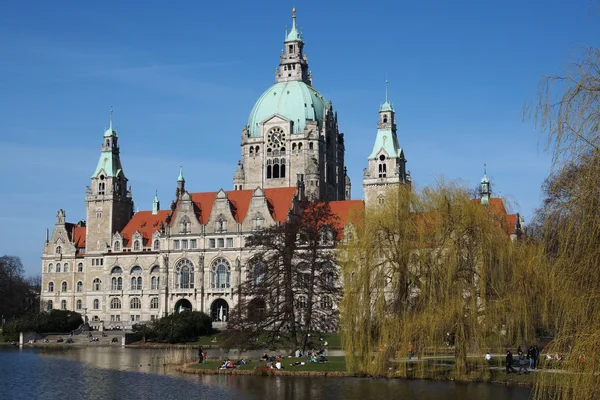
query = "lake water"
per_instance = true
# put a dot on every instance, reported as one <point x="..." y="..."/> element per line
<point x="122" y="373"/>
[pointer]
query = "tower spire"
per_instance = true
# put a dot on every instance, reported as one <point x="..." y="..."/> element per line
<point x="485" y="190"/>
<point x="386" y="89"/>
<point x="111" y="117"/>
<point x="180" y="177"/>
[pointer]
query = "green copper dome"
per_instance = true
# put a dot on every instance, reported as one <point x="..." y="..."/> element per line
<point x="294" y="100"/>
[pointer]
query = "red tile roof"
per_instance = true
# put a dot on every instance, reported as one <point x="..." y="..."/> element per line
<point x="497" y="208"/>
<point x="146" y="223"/>
<point x="76" y="234"/>
<point x="346" y="209"/>
<point x="279" y="201"/>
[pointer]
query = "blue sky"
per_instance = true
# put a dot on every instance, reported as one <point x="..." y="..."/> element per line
<point x="182" y="77"/>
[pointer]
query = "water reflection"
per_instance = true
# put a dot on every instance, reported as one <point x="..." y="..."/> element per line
<point x="121" y="373"/>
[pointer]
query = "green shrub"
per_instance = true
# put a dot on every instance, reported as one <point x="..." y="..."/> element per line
<point x="56" y="321"/>
<point x="176" y="328"/>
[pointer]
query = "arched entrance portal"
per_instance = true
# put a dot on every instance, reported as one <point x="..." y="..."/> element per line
<point x="183" y="305"/>
<point x="219" y="310"/>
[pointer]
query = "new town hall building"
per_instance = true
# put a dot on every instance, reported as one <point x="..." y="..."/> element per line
<point x="121" y="267"/>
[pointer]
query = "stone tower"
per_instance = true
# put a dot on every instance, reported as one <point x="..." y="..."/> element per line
<point x="291" y="130"/>
<point x="109" y="205"/>
<point x="387" y="165"/>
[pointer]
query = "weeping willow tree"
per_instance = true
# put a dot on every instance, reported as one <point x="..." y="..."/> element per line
<point x="428" y="268"/>
<point x="568" y="225"/>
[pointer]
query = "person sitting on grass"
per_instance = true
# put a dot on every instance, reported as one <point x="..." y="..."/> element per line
<point x="265" y="357"/>
<point x="278" y="365"/>
<point x="213" y="340"/>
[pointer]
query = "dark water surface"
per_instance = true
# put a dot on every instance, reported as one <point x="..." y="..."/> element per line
<point x="121" y="373"/>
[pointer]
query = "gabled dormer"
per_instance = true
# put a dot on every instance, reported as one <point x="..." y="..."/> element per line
<point x="185" y="219"/>
<point x="258" y="215"/>
<point x="221" y="218"/>
<point x="117" y="243"/>
<point x="137" y="241"/>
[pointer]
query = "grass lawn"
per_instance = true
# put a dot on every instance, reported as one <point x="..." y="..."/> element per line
<point x="333" y="364"/>
<point x="206" y="340"/>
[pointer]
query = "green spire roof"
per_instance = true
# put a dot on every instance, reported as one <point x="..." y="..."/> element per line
<point x="180" y="177"/>
<point x="110" y="163"/>
<point x="155" y="204"/>
<point x="293" y="35"/>
<point x="110" y="131"/>
<point x="387" y="106"/>
<point x="387" y="141"/>
<point x="485" y="179"/>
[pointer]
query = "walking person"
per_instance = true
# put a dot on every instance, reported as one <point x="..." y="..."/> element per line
<point x="531" y="356"/>
<point x="200" y="355"/>
<point x="522" y="363"/>
<point x="509" y="362"/>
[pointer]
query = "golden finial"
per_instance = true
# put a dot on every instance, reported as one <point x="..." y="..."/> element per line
<point x="294" y="12"/>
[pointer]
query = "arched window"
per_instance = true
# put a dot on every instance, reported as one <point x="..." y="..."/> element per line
<point x="58" y="250"/>
<point x="79" y="286"/>
<point x="51" y="286"/>
<point x="115" y="304"/>
<point x="96" y="285"/>
<point x="221" y="224"/>
<point x="96" y="318"/>
<point x="185" y="274"/>
<point x="136" y="245"/>
<point x="258" y="273"/>
<point x="329" y="280"/>
<point x="275" y="168"/>
<point x="269" y="169"/>
<point x="256" y="309"/>
<point x="63" y="305"/>
<point x="136" y="283"/>
<point x="184" y="224"/>
<point x="251" y="150"/>
<point x="310" y="146"/>
<point x="221" y="274"/>
<point x="50" y="305"/>
<point x="156" y="245"/>
<point x="257" y="222"/>
<point x="326" y="302"/>
<point x="137" y="270"/>
<point x="116" y="270"/>
<point x="282" y="168"/>
<point x="257" y="149"/>
<point x="57" y="267"/>
<point x="79" y="304"/>
<point x="80" y="267"/>
<point x="301" y="302"/>
<point x="385" y="119"/>
<point x="116" y="283"/>
<point x="155" y="278"/>
<point x="50" y="267"/>
<point x="154" y="303"/>
<point x="135" y="303"/>
<point x="96" y="304"/>
<point x="117" y="246"/>
<point x="65" y="267"/>
<point x="101" y="186"/>
<point x="299" y="146"/>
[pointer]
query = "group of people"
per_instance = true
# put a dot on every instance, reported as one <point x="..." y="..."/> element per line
<point x="529" y="358"/>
